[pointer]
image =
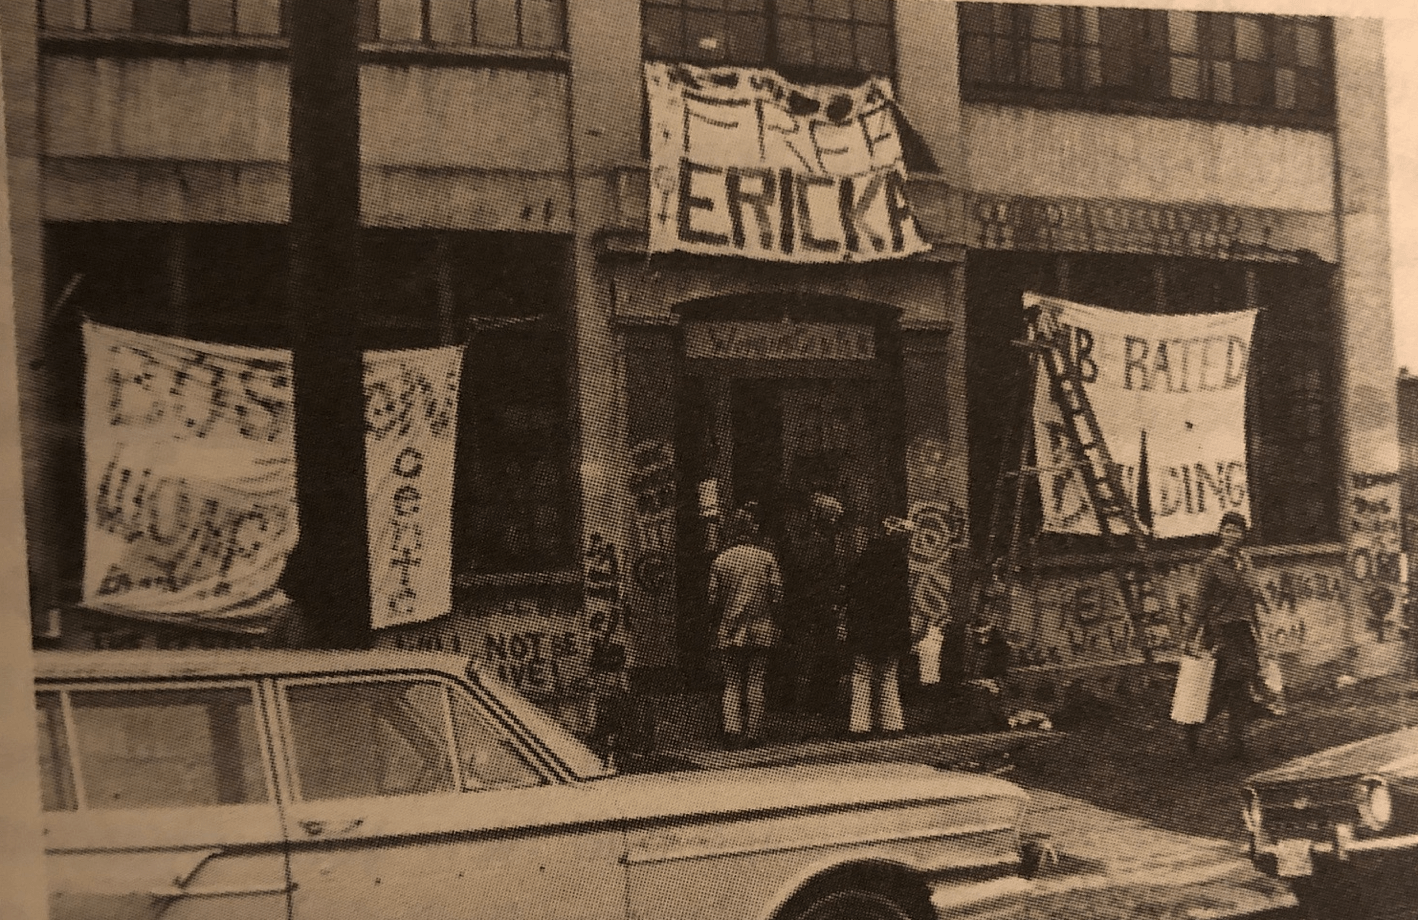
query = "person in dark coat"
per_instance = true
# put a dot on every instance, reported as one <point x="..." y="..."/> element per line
<point x="878" y="628"/>
<point x="1226" y="605"/>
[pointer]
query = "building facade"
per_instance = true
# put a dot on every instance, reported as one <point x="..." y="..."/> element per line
<point x="1167" y="162"/>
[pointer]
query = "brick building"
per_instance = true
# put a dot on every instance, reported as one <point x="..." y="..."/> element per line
<point x="1170" y="162"/>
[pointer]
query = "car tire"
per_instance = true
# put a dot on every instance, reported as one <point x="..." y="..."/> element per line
<point x="853" y="903"/>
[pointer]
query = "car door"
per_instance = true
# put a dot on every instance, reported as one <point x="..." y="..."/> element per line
<point x="410" y="799"/>
<point x="159" y="802"/>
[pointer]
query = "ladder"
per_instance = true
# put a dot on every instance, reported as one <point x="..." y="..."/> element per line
<point x="1125" y="539"/>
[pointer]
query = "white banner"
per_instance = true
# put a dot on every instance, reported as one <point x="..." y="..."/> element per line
<point x="1175" y="383"/>
<point x="190" y="477"/>
<point x="743" y="162"/>
<point x="411" y="416"/>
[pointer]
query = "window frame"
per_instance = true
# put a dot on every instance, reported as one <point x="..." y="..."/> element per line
<point x="1159" y="101"/>
<point x="78" y="774"/>
<point x="772" y="15"/>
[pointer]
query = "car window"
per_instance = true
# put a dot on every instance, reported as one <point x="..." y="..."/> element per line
<point x="168" y="748"/>
<point x="56" y="777"/>
<point x="371" y="738"/>
<point x="489" y="759"/>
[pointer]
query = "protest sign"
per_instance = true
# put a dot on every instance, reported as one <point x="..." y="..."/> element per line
<point x="743" y="162"/>
<point x="1176" y="384"/>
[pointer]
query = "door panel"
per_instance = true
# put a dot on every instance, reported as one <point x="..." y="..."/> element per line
<point x="412" y="803"/>
<point x="158" y="803"/>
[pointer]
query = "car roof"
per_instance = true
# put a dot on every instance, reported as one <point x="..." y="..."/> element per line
<point x="127" y="665"/>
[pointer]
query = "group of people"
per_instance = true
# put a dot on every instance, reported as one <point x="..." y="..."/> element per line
<point x="863" y="617"/>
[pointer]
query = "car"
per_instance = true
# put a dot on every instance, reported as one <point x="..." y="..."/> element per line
<point x="1341" y="826"/>
<point x="257" y="785"/>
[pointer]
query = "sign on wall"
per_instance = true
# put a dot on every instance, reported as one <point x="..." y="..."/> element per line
<point x="1176" y="384"/>
<point x="743" y="162"/>
<point x="190" y="478"/>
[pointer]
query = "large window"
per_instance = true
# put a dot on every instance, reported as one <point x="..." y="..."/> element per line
<point x="1217" y="65"/>
<point x="518" y="25"/>
<point x="500" y="294"/>
<point x="803" y="39"/>
<point x="1292" y="436"/>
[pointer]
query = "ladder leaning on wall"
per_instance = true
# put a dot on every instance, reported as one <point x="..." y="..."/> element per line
<point x="1126" y="541"/>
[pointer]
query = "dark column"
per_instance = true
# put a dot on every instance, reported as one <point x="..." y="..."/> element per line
<point x="330" y="573"/>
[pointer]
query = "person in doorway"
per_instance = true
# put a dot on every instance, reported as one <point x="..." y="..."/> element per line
<point x="745" y="589"/>
<point x="1229" y="629"/>
<point x="878" y="629"/>
<point x="813" y="568"/>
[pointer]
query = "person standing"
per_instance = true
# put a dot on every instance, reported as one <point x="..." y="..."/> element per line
<point x="1229" y="629"/>
<point x="745" y="588"/>
<point x="813" y="568"/>
<point x="878" y="628"/>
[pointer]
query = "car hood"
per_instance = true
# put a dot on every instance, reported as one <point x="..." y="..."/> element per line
<point x="709" y="792"/>
<point x="1394" y="754"/>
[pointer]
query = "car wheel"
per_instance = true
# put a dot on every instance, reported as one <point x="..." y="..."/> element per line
<point x="855" y="904"/>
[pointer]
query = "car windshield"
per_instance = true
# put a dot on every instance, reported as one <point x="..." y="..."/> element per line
<point x="579" y="759"/>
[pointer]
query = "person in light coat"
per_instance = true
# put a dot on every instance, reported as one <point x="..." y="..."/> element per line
<point x="745" y="590"/>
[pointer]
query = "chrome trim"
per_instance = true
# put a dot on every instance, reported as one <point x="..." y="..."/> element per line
<point x="1344" y="845"/>
<point x="633" y="859"/>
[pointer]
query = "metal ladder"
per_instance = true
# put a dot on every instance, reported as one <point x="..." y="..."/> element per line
<point x="1126" y="541"/>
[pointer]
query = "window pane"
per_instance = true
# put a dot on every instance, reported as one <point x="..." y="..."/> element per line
<point x="1088" y="20"/>
<point x="975" y="57"/>
<point x="490" y="760"/>
<point x="1309" y="45"/>
<point x="56" y="779"/>
<point x="1250" y="39"/>
<point x="1284" y="88"/>
<point x="1181" y="32"/>
<point x="706" y="38"/>
<point x="210" y="17"/>
<point x="495" y="23"/>
<point x="799" y="8"/>
<point x="165" y="17"/>
<point x="1045" y="65"/>
<point x="168" y="748"/>
<point x="1255" y="84"/>
<point x="1222" y="90"/>
<point x="1186" y="78"/>
<point x="833" y="43"/>
<point x="794" y="42"/>
<point x="748" y="35"/>
<point x="1311" y="92"/>
<point x="384" y="738"/>
<point x="400" y="20"/>
<point x="1045" y="22"/>
<point x="1004" y="60"/>
<point x="662" y="33"/>
<point x="874" y="49"/>
<point x="541" y="24"/>
<point x="1092" y="67"/>
<point x="832" y="9"/>
<point x="976" y="18"/>
<point x="1217" y="35"/>
<point x="874" y="11"/>
<point x="258" y="17"/>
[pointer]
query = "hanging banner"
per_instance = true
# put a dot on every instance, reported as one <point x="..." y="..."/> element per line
<point x="743" y="162"/>
<point x="190" y="477"/>
<point x="1174" y="386"/>
<point x="411" y="414"/>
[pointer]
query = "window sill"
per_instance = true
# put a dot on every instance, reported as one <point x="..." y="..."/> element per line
<point x="553" y="578"/>
<point x="1161" y="558"/>
<point x="89" y="43"/>
<point x="1171" y="108"/>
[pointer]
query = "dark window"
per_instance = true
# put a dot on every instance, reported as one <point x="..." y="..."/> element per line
<point x="1292" y="437"/>
<point x="513" y="24"/>
<point x="501" y="294"/>
<point x="1216" y="65"/>
<point x="807" y="40"/>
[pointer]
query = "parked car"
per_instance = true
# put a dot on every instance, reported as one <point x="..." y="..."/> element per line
<point x="1342" y="827"/>
<point x="263" y="785"/>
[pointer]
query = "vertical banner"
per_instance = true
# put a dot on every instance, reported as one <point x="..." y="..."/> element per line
<point x="411" y="415"/>
<point x="190" y="477"/>
<point x="1177" y="383"/>
<point x="743" y="162"/>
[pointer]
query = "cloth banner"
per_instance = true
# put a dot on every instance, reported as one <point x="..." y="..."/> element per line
<point x="411" y="415"/>
<point x="743" y="162"/>
<point x="190" y="479"/>
<point x="1172" y="386"/>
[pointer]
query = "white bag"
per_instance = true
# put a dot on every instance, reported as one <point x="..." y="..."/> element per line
<point x="928" y="655"/>
<point x="1193" y="694"/>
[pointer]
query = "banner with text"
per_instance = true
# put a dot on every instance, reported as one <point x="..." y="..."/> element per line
<point x="190" y="475"/>
<point x="411" y="416"/>
<point x="190" y="478"/>
<point x="744" y="162"/>
<point x="1176" y="384"/>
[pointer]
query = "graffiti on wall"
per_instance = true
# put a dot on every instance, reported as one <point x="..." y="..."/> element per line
<point x="652" y="494"/>
<point x="938" y="543"/>
<point x="1375" y="532"/>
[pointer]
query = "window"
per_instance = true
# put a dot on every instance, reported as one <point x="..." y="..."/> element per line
<point x="389" y="738"/>
<point x="169" y="748"/>
<point x="56" y="777"/>
<point x="1292" y="437"/>
<point x="500" y="293"/>
<point x="204" y="18"/>
<point x="806" y="40"/>
<point x="1216" y="65"/>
